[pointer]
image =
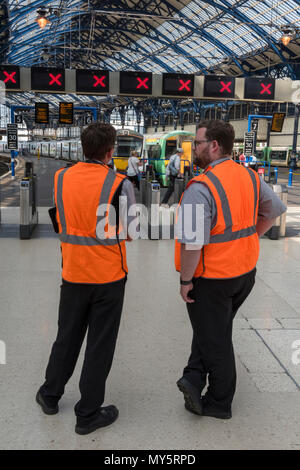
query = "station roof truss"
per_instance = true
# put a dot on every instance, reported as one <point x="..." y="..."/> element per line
<point x="230" y="37"/>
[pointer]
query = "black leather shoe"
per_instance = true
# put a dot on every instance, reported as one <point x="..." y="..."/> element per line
<point x="46" y="407"/>
<point x="108" y="414"/>
<point x="210" y="410"/>
<point x="192" y="397"/>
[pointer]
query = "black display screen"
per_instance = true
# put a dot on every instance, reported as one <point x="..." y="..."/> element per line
<point x="178" y="84"/>
<point x="216" y="86"/>
<point x="259" y="88"/>
<point x="42" y="113"/>
<point x="137" y="83"/>
<point x="10" y="75"/>
<point x="92" y="81"/>
<point x="66" y="113"/>
<point x="46" y="79"/>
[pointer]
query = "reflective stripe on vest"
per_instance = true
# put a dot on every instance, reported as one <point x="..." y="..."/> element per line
<point x="228" y="234"/>
<point x="104" y="198"/>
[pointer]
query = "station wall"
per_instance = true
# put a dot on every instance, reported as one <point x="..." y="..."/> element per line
<point x="282" y="139"/>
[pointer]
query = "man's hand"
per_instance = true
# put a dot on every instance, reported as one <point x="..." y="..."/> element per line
<point x="184" y="291"/>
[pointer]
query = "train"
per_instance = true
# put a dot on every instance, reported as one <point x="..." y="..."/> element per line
<point x="276" y="155"/>
<point x="158" y="148"/>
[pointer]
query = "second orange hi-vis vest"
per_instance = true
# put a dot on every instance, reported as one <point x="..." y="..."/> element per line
<point x="233" y="248"/>
<point x="79" y="191"/>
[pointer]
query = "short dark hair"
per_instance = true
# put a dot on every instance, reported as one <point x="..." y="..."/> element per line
<point x="220" y="131"/>
<point x="97" y="139"/>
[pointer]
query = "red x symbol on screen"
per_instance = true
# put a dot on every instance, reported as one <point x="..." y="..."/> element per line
<point x="99" y="81"/>
<point x="266" y="89"/>
<point x="9" y="76"/>
<point x="142" y="83"/>
<point x="226" y="87"/>
<point x="184" y="85"/>
<point x="54" y="79"/>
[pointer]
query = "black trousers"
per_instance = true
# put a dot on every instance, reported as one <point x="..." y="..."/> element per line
<point x="170" y="189"/>
<point x="135" y="180"/>
<point x="96" y="308"/>
<point x="212" y="355"/>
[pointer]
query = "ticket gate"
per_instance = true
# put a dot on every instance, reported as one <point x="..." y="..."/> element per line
<point x="28" y="197"/>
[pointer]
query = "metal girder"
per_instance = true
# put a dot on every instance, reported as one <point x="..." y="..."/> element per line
<point x="227" y="7"/>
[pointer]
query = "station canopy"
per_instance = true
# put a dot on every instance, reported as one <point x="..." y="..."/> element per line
<point x="230" y="37"/>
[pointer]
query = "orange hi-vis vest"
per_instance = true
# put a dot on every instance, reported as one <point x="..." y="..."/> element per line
<point x="233" y="248"/>
<point x="79" y="191"/>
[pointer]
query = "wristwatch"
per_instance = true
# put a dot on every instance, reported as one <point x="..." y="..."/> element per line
<point x="185" y="283"/>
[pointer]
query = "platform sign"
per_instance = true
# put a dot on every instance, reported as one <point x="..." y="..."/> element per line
<point x="259" y="88"/>
<point x="19" y="119"/>
<point x="254" y="125"/>
<point x="217" y="86"/>
<point x="42" y="113"/>
<point x="249" y="143"/>
<point x="88" y="119"/>
<point x="277" y="122"/>
<point x="47" y="79"/>
<point x="178" y="84"/>
<point x="136" y="83"/>
<point x="12" y="136"/>
<point x="10" y="76"/>
<point x="92" y="81"/>
<point x="66" y="113"/>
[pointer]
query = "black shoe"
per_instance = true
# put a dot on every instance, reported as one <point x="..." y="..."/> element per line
<point x="47" y="409"/>
<point x="210" y="410"/>
<point x="192" y="397"/>
<point x="108" y="414"/>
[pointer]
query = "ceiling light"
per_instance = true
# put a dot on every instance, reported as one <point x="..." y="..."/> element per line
<point x="41" y="19"/>
<point x="286" y="38"/>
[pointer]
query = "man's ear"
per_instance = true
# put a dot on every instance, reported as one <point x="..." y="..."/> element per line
<point x="108" y="156"/>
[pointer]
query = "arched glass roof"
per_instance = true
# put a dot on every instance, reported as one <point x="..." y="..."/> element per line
<point x="238" y="37"/>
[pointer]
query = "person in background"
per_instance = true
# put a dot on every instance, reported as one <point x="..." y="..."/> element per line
<point x="133" y="168"/>
<point x="172" y="172"/>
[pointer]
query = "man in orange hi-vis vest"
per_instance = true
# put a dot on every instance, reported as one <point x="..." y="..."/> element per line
<point x="94" y="273"/>
<point x="217" y="262"/>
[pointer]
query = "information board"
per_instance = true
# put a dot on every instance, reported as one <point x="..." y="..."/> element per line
<point x="12" y="136"/>
<point x="178" y="84"/>
<point x="92" y="81"/>
<point x="259" y="88"/>
<point x="277" y="122"/>
<point x="249" y="143"/>
<point x="66" y="113"/>
<point x="42" y="113"/>
<point x="47" y="79"/>
<point x="136" y="83"/>
<point x="217" y="86"/>
<point x="10" y="75"/>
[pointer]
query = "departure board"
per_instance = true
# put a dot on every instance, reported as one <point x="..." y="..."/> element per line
<point x="277" y="122"/>
<point x="259" y="88"/>
<point x="136" y="83"/>
<point x="47" y="79"/>
<point x="217" y="86"/>
<point x="92" y="81"/>
<point x="66" y="113"/>
<point x="178" y="84"/>
<point x="42" y="113"/>
<point x="10" y="76"/>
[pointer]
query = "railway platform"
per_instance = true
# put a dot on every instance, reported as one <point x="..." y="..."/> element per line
<point x="153" y="346"/>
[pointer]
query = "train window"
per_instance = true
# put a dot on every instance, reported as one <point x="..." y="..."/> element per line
<point x="154" y="151"/>
<point x="171" y="146"/>
<point x="259" y="154"/>
<point x="278" y="155"/>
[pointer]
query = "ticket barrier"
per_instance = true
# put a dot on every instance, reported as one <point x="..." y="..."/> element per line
<point x="279" y="227"/>
<point x="153" y="202"/>
<point x="28" y="209"/>
<point x="178" y="189"/>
